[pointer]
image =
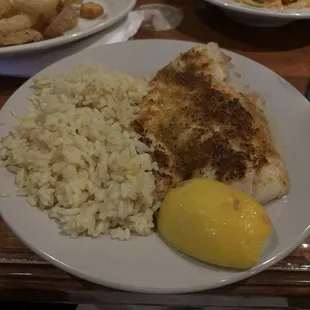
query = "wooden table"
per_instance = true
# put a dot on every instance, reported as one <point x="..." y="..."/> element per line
<point x="24" y="276"/>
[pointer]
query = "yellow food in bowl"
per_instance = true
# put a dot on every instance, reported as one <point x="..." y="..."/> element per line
<point x="214" y="223"/>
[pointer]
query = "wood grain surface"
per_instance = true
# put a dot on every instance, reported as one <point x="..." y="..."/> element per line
<point x="24" y="276"/>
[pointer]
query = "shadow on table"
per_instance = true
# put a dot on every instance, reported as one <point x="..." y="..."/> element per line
<point x="227" y="32"/>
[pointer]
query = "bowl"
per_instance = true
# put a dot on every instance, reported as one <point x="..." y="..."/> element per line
<point x="259" y="17"/>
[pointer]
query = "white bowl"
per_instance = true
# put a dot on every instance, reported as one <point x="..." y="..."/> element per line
<point x="259" y="17"/>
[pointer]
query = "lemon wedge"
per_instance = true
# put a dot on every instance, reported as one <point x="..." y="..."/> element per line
<point x="214" y="223"/>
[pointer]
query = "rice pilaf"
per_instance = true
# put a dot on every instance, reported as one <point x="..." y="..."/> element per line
<point x="75" y="155"/>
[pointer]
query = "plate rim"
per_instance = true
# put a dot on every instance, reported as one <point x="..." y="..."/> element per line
<point x="239" y="276"/>
<point x="59" y="41"/>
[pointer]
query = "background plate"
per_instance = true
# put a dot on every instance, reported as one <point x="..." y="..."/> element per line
<point x="260" y="17"/>
<point x="115" y="11"/>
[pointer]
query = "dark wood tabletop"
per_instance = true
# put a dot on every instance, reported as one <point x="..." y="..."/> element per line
<point x="286" y="50"/>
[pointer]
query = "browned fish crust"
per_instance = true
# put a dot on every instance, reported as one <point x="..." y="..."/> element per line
<point x="194" y="124"/>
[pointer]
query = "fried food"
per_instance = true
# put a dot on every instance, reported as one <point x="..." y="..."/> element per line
<point x="91" y="10"/>
<point x="5" y="6"/>
<point x="21" y="37"/>
<point x="16" y="23"/>
<point x="66" y="20"/>
<point x="14" y="10"/>
<point x="37" y="6"/>
<point x="201" y="126"/>
<point x="70" y="2"/>
<point x="44" y="20"/>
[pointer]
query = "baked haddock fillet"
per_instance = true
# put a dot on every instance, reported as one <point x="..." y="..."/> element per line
<point x="200" y="126"/>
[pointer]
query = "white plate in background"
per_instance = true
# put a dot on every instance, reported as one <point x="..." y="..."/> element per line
<point x="114" y="12"/>
<point x="146" y="264"/>
<point x="29" y="64"/>
<point x="260" y="17"/>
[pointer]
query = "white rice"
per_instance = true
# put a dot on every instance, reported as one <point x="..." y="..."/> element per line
<point x="73" y="156"/>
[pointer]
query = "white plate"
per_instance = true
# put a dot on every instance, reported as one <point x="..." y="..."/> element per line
<point x="115" y="11"/>
<point x="260" y="17"/>
<point x="29" y="64"/>
<point x="146" y="264"/>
